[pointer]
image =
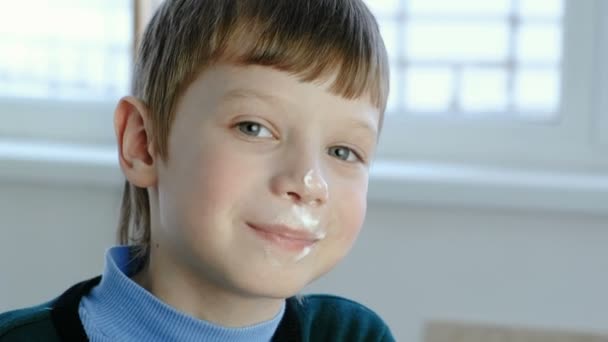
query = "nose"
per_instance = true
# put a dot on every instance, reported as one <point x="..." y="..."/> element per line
<point x="302" y="182"/>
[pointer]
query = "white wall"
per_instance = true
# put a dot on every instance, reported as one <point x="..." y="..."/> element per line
<point x="411" y="264"/>
<point x="541" y="270"/>
<point x="51" y="237"/>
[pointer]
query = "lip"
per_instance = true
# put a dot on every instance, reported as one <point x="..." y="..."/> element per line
<point x="286" y="237"/>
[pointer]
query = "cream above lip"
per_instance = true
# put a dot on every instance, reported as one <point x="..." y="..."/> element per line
<point x="308" y="221"/>
<point x="302" y="218"/>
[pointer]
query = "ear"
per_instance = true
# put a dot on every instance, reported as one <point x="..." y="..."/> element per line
<point x="135" y="149"/>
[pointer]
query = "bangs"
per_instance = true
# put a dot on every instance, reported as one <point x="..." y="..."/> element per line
<point x="314" y="40"/>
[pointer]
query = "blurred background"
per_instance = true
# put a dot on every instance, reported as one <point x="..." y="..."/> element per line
<point x="488" y="198"/>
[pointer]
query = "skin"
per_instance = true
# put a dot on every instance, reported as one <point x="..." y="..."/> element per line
<point x="248" y="144"/>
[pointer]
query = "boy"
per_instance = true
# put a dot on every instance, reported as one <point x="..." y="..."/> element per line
<point x="246" y="147"/>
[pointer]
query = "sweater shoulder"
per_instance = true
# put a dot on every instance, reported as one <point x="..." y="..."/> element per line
<point x="330" y="317"/>
<point x="27" y="324"/>
<point x="332" y="304"/>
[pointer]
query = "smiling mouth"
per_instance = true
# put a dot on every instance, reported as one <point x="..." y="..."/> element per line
<point x="285" y="237"/>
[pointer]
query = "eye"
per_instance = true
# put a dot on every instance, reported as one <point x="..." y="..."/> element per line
<point x="254" y="129"/>
<point x="344" y="153"/>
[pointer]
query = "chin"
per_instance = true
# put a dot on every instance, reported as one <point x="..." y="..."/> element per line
<point x="279" y="283"/>
<point x="273" y="287"/>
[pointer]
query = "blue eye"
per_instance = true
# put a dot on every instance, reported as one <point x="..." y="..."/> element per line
<point x="343" y="153"/>
<point x="254" y="129"/>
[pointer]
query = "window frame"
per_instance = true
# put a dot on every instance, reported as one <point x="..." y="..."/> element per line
<point x="90" y="119"/>
<point x="600" y="93"/>
<point x="562" y="143"/>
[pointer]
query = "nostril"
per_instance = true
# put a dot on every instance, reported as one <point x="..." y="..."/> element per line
<point x="294" y="195"/>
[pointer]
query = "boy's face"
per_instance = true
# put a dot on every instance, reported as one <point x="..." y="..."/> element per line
<point x="265" y="186"/>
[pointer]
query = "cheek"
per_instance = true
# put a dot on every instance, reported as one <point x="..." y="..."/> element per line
<point x="219" y="180"/>
<point x="352" y="205"/>
<point x="209" y="182"/>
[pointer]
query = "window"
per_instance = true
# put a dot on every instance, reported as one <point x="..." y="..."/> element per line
<point x="67" y="50"/>
<point x="63" y="65"/>
<point x="506" y="83"/>
<point x="473" y="57"/>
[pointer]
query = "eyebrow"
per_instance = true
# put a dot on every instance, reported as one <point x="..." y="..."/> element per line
<point x="365" y="125"/>
<point x="243" y="93"/>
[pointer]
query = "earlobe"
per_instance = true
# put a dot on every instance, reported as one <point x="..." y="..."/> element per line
<point x="135" y="151"/>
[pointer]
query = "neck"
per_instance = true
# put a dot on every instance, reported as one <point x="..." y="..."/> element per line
<point x="203" y="298"/>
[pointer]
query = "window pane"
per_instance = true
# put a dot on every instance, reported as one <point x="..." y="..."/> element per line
<point x="493" y="7"/>
<point x="428" y="89"/>
<point x="393" y="102"/>
<point x="536" y="90"/>
<point x="389" y="31"/>
<point x="541" y="8"/>
<point x="383" y="7"/>
<point x="65" y="48"/>
<point x="465" y="57"/>
<point x="483" y="90"/>
<point x="540" y="42"/>
<point x="456" y="41"/>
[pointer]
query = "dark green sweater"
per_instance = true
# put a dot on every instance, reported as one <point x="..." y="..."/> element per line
<point x="313" y="318"/>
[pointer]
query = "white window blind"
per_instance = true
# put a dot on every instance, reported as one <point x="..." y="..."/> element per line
<point x="473" y="57"/>
<point x="65" y="49"/>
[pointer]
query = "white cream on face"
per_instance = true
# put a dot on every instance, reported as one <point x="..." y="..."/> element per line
<point x="314" y="182"/>
<point x="302" y="254"/>
<point x="302" y="218"/>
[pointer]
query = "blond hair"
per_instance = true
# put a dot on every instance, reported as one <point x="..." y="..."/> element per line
<point x="311" y="39"/>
